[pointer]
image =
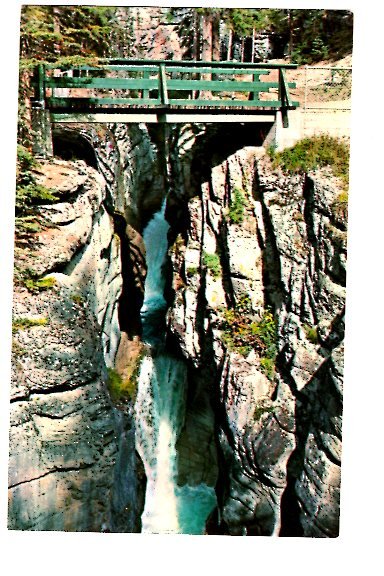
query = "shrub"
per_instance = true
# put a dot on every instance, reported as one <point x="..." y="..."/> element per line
<point x="77" y="298"/>
<point x="267" y="366"/>
<point x="25" y="323"/>
<point x="41" y="284"/>
<point x="28" y="191"/>
<point x="122" y="389"/>
<point x="340" y="206"/>
<point x="241" y="334"/>
<point x="314" y="152"/>
<point x="27" y="224"/>
<point x="260" y="410"/>
<point x="212" y="263"/>
<point x="237" y="207"/>
<point x="191" y="271"/>
<point x="311" y="333"/>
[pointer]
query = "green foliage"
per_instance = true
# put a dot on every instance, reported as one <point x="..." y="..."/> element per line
<point x="52" y="33"/>
<point x="121" y="389"/>
<point x="40" y="285"/>
<point x="311" y="333"/>
<point x="27" y="224"/>
<point x="340" y="206"/>
<point x="66" y="36"/>
<point x="260" y="410"/>
<point x="312" y="153"/>
<point x="77" y="298"/>
<point x="306" y="35"/>
<point x="312" y="35"/>
<point x="24" y="323"/>
<point x="268" y="367"/>
<point x="242" y="334"/>
<point x="212" y="263"/>
<point x="237" y="206"/>
<point x="192" y="271"/>
<point x="244" y="20"/>
<point x="29" y="193"/>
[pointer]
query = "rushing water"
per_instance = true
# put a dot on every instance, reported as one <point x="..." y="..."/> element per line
<point x="160" y="409"/>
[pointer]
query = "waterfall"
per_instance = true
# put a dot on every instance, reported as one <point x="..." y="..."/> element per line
<point x="160" y="408"/>
<point x="156" y="245"/>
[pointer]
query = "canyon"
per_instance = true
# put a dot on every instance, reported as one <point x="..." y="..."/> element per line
<point x="247" y="248"/>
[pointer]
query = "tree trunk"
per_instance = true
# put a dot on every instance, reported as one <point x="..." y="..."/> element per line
<point x="206" y="52"/>
<point x="229" y="48"/>
<point x="196" y="37"/>
<point x="290" y="25"/>
<point x="216" y="37"/>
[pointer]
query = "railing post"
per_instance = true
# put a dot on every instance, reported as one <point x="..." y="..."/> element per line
<point x="145" y="92"/>
<point x="40" y="117"/>
<point x="163" y="85"/>
<point x="255" y="94"/>
<point x="283" y="97"/>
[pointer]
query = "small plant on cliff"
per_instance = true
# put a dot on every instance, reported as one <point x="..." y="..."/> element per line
<point x="123" y="389"/>
<point x="77" y="298"/>
<point x="192" y="271"/>
<point x="28" y="191"/>
<point x="25" y="323"/>
<point x="212" y="263"/>
<point x="312" y="153"/>
<point x="29" y="194"/>
<point x="40" y="284"/>
<point x="237" y="206"/>
<point x="261" y="409"/>
<point x="311" y="333"/>
<point x="242" y="334"/>
<point x="340" y="206"/>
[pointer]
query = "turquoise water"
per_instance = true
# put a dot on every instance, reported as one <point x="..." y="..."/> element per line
<point x="160" y="409"/>
<point x="194" y="504"/>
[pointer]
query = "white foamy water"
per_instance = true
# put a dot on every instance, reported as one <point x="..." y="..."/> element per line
<point x="160" y="409"/>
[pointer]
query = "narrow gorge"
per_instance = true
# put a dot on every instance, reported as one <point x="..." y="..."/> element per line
<point x="178" y="338"/>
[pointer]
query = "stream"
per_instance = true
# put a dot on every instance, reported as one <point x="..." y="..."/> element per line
<point x="160" y="408"/>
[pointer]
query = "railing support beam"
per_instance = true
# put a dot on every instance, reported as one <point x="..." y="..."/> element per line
<point x="163" y="85"/>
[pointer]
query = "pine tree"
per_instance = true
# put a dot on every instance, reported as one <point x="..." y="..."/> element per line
<point x="64" y="35"/>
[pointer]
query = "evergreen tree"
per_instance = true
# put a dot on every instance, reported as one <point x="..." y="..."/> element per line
<point x="64" y="35"/>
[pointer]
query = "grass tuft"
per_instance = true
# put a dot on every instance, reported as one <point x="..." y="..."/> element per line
<point x="312" y="153"/>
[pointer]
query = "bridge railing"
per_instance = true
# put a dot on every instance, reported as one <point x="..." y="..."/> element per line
<point x="165" y="84"/>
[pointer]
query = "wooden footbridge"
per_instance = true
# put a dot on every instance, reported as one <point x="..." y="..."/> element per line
<point x="162" y="91"/>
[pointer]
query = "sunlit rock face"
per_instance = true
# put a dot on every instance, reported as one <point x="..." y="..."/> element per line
<point x="278" y="435"/>
<point x="65" y="433"/>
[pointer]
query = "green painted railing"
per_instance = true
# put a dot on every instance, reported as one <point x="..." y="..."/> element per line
<point x="165" y="84"/>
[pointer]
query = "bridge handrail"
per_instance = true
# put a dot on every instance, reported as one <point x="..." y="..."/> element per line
<point x="182" y="63"/>
<point x="159" y="87"/>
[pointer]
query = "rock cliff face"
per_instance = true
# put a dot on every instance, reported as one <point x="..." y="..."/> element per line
<point x="250" y="250"/>
<point x="72" y="453"/>
<point x="278" y="422"/>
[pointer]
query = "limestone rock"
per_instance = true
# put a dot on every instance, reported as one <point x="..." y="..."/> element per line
<point x="279" y="438"/>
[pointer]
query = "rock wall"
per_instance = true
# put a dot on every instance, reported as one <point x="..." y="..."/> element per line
<point x="277" y="428"/>
<point x="65" y="434"/>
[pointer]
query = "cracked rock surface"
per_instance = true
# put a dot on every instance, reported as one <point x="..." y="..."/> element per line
<point x="279" y="437"/>
<point x="65" y="435"/>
